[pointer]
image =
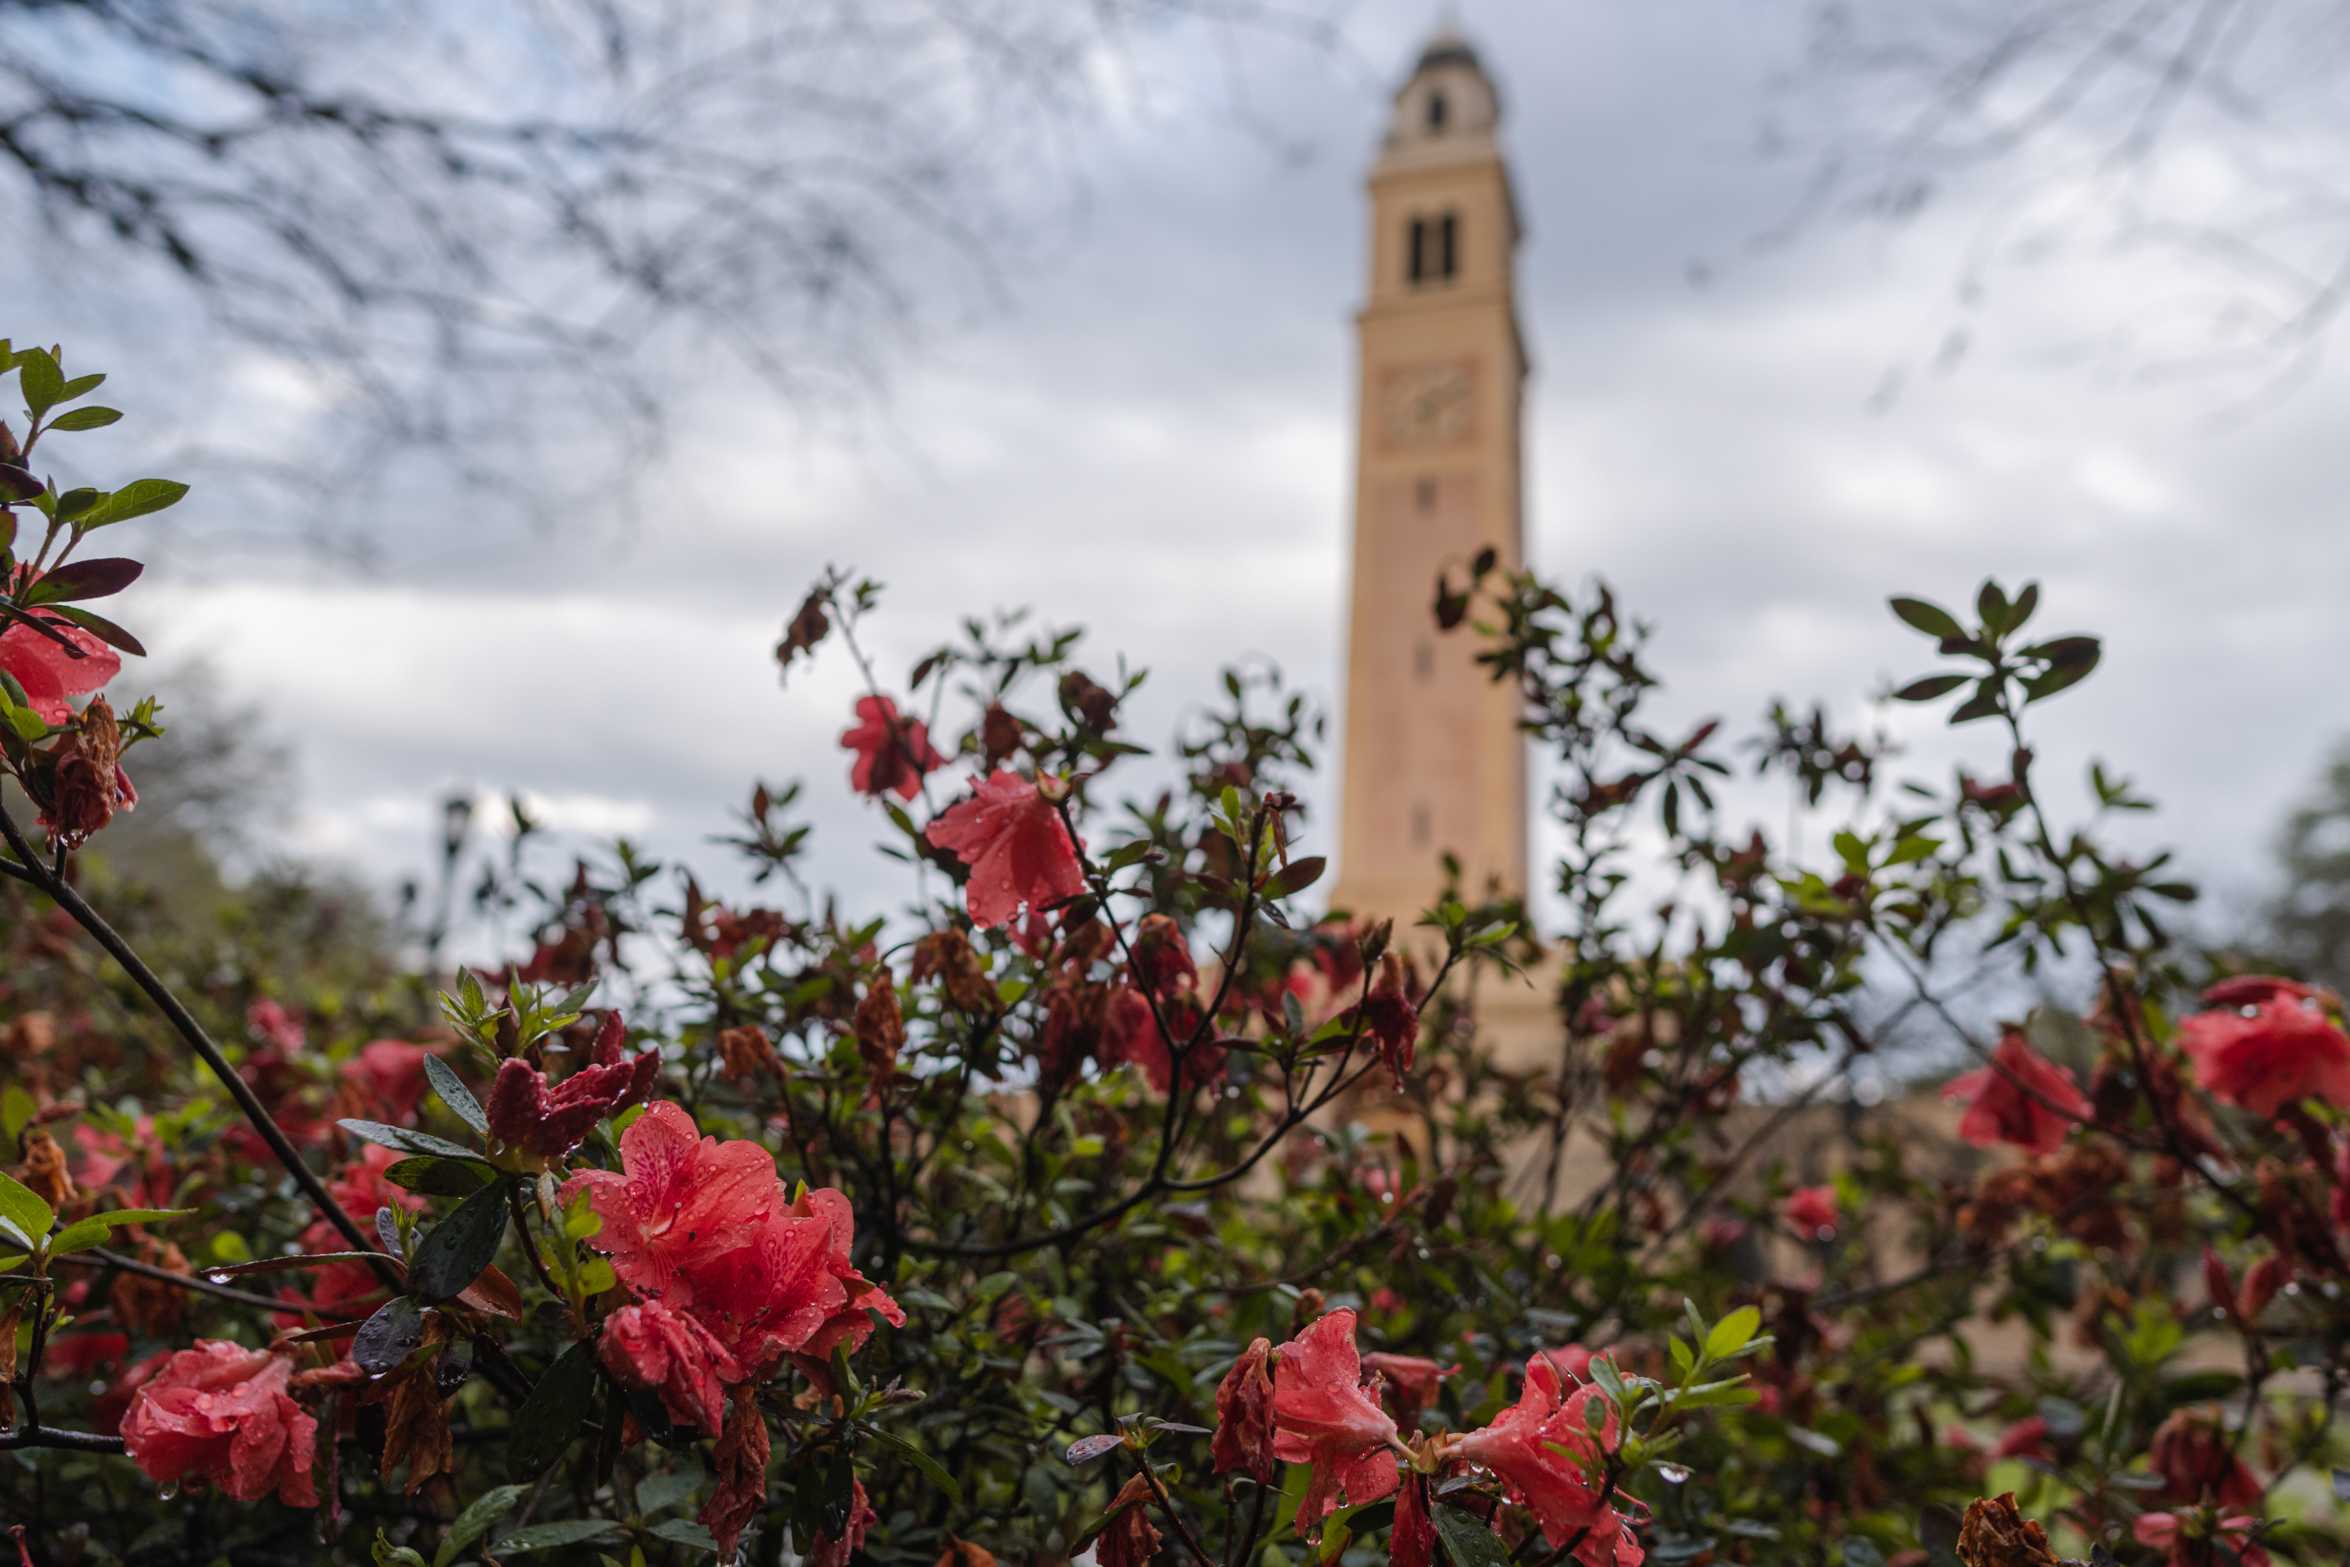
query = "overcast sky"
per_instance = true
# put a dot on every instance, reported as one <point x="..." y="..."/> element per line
<point x="1150" y="435"/>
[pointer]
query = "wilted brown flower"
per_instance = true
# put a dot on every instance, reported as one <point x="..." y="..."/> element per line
<point x="962" y="1553"/>
<point x="1132" y="1539"/>
<point x="147" y="1306"/>
<point x="1994" y="1534"/>
<point x="809" y="625"/>
<point x="88" y="784"/>
<point x="416" y="1427"/>
<point x="880" y="1026"/>
<point x="44" y="1170"/>
<point x="948" y="957"/>
<point x="999" y="735"/>
<point x="747" y="1052"/>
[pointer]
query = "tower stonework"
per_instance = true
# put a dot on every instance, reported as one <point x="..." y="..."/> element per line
<point x="1434" y="762"/>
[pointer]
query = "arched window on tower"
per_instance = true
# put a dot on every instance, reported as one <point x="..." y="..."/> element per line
<point x="1438" y="111"/>
<point x="1432" y="249"/>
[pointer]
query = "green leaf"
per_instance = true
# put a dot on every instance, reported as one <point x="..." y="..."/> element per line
<point x="1932" y="619"/>
<point x="39" y="379"/>
<point x="475" y="1521"/>
<point x="932" y="1469"/>
<point x="21" y="1206"/>
<point x="556" y="1412"/>
<point x="1983" y="704"/>
<point x="80" y="386"/>
<point x="683" y="1531"/>
<point x="1469" y="1541"/>
<point x="1730" y="1335"/>
<point x="546" y="1536"/>
<point x="80" y="1235"/>
<point x="385" y="1554"/>
<point x="17" y="1110"/>
<point x="438" y="1177"/>
<point x="446" y="1083"/>
<point x="98" y="578"/>
<point x="86" y="419"/>
<point x="454" y="1251"/>
<point x="135" y="499"/>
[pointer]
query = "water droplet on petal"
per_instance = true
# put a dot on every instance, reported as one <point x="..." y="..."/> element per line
<point x="1672" y="1474"/>
<point x="216" y="1276"/>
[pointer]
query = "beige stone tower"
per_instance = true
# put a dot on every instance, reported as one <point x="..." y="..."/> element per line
<point x="1434" y="762"/>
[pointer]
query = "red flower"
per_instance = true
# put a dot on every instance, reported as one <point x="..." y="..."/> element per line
<point x="1391" y="1018"/>
<point x="219" y="1414"/>
<point x="705" y="1228"/>
<point x="681" y="1205"/>
<point x="811" y="1299"/>
<point x="1162" y="958"/>
<point x="1413" y="1379"/>
<point x="1018" y="849"/>
<point x="2197" y="1463"/>
<point x="1412" y="1540"/>
<point x="1572" y="1361"/>
<point x="2185" y="1547"/>
<point x="525" y="1113"/>
<point x="649" y="1346"/>
<point x="1323" y="1416"/>
<point x="1547" y="1456"/>
<point x="2272" y="1045"/>
<point x="1130" y="1036"/>
<point x="2027" y="1438"/>
<point x="1243" y="1442"/>
<point x="49" y="674"/>
<point x="387" y="1079"/>
<point x="892" y="752"/>
<point x="2022" y="1097"/>
<point x="1810" y="1211"/>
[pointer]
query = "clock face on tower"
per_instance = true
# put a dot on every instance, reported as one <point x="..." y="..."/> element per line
<point x="1425" y="405"/>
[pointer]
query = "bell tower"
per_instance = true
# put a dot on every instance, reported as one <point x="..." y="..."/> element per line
<point x="1434" y="762"/>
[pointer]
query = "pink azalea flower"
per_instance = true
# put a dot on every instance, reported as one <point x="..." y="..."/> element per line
<point x="1017" y="847"/>
<point x="1323" y="1416"/>
<point x="50" y="675"/>
<point x="892" y="752"/>
<point x="2022" y="1097"/>
<point x="2271" y="1044"/>
<point x="219" y="1414"/>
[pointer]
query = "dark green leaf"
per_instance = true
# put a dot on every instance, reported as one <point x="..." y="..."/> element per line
<point x="100" y="578"/>
<point x="405" y="1140"/>
<point x="437" y="1177"/>
<point x="86" y="419"/>
<point x="454" y="1251"/>
<point x="1932" y="619"/>
<point x="1930" y="687"/>
<point x="556" y="1411"/>
<point x="388" y="1337"/>
<point x="546" y="1536"/>
<point x="1296" y="876"/>
<point x="100" y="627"/>
<point x="1469" y="1541"/>
<point x="484" y="1510"/>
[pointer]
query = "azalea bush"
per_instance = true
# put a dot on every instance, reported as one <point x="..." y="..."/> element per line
<point x="1081" y="1185"/>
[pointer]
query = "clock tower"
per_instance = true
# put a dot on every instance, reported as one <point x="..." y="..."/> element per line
<point x="1434" y="762"/>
